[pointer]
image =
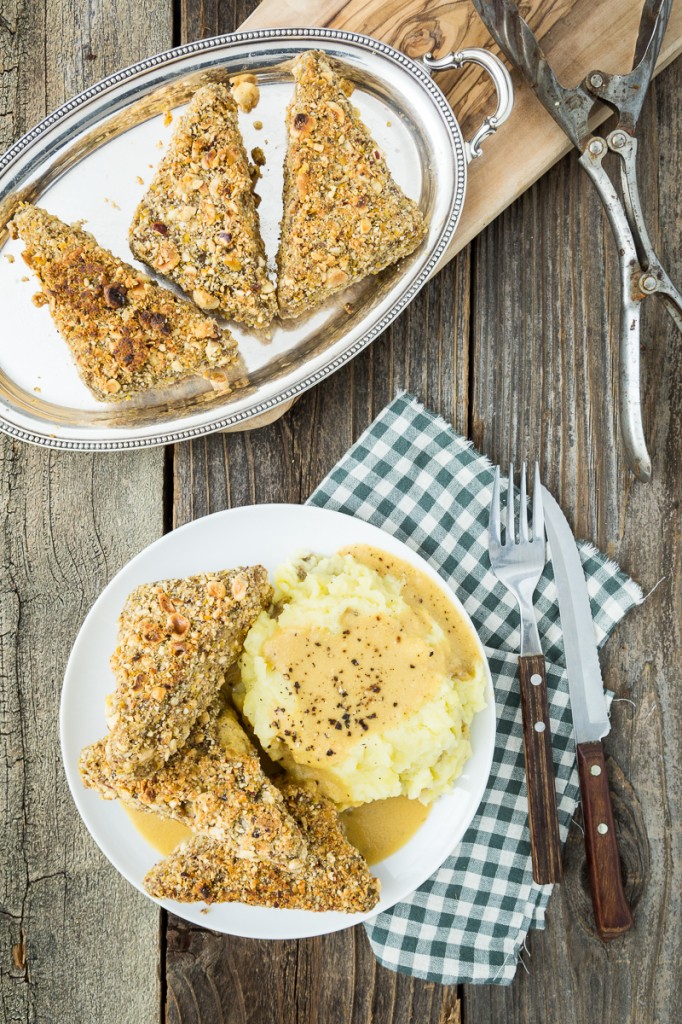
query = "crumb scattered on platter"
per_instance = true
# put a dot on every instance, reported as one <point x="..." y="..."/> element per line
<point x="245" y="92"/>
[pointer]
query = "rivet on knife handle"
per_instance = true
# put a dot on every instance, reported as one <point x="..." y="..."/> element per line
<point x="611" y="911"/>
<point x="537" y="739"/>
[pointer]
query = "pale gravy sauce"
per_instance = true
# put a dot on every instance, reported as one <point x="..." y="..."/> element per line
<point x="382" y="667"/>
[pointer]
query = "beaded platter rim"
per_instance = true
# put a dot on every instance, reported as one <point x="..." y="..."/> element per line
<point x="259" y="406"/>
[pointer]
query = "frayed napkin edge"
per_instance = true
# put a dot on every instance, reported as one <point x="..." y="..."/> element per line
<point x="507" y="971"/>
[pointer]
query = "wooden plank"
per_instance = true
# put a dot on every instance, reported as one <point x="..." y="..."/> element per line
<point x="213" y="978"/>
<point x="333" y="979"/>
<point x="213" y="17"/>
<point x="577" y="36"/>
<point x="78" y="943"/>
<point x="567" y="408"/>
<point x="545" y="381"/>
<point x="425" y="351"/>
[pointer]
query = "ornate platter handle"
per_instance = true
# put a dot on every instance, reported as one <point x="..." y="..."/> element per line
<point x="501" y="80"/>
<point x="56" y="154"/>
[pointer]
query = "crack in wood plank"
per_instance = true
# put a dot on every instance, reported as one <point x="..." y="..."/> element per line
<point x="77" y="942"/>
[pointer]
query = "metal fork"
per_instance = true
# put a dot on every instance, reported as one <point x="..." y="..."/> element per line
<point x="519" y="565"/>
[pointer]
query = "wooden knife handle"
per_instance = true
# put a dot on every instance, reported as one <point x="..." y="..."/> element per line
<point x="537" y="740"/>
<point x="611" y="911"/>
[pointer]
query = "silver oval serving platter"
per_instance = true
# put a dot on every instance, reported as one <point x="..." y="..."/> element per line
<point x="92" y="159"/>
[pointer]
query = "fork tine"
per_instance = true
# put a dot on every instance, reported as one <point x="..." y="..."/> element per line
<point x="538" y="513"/>
<point x="494" y="521"/>
<point x="511" y="532"/>
<point x="523" y="508"/>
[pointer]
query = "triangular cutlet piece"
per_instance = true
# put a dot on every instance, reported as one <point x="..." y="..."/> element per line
<point x="198" y="222"/>
<point x="344" y="215"/>
<point x="333" y="875"/>
<point x="125" y="332"/>
<point x="176" y="640"/>
<point x="215" y="785"/>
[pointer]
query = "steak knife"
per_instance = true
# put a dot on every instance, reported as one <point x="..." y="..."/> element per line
<point x="590" y="724"/>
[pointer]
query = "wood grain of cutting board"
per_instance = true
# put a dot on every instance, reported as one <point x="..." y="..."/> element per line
<point x="576" y="36"/>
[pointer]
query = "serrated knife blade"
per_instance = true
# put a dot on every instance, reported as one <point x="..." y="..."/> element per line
<point x="586" y="688"/>
<point x="590" y="722"/>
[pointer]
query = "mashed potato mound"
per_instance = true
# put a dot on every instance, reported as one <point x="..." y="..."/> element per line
<point x="366" y="681"/>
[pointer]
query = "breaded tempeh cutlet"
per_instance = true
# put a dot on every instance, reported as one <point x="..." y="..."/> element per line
<point x="126" y="333"/>
<point x="215" y="785"/>
<point x="176" y="640"/>
<point x="198" y="222"/>
<point x="333" y="875"/>
<point x="344" y="215"/>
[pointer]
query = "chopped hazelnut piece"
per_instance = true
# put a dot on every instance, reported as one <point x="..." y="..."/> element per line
<point x="303" y="124"/>
<point x="138" y="291"/>
<point x="168" y="257"/>
<point x="115" y="295"/>
<point x="302" y="183"/>
<point x="215" y="588"/>
<point x="204" y="299"/>
<point x="246" y="95"/>
<point x="336" y="278"/>
<point x="179" y="624"/>
<point x="337" y="111"/>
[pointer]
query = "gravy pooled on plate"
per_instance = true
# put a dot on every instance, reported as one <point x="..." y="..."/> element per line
<point x="377" y="830"/>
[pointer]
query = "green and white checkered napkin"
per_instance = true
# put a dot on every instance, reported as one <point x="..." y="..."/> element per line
<point x="411" y="475"/>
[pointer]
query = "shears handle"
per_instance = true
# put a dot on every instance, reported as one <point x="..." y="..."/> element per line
<point x="641" y="275"/>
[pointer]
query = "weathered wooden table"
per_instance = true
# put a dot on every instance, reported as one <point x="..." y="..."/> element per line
<point x="515" y="342"/>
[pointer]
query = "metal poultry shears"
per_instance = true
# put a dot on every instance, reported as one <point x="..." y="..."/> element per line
<point x="640" y="269"/>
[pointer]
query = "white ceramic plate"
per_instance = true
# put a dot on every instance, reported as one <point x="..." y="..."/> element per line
<point x="268" y="534"/>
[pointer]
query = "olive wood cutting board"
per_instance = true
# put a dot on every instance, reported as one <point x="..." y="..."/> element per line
<point x="576" y="35"/>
